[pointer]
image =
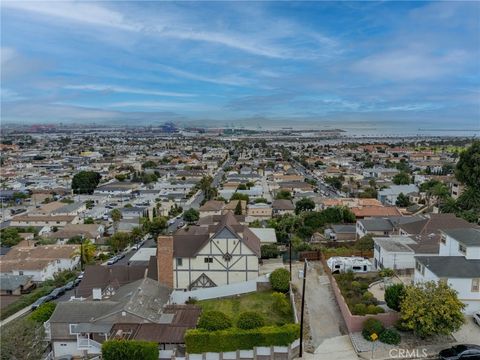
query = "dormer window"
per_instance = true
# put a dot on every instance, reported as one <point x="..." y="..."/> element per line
<point x="443" y="239"/>
<point x="462" y="249"/>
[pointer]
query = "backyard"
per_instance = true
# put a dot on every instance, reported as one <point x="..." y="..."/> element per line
<point x="262" y="302"/>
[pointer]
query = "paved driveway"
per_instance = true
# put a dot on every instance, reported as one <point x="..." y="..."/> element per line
<point x="469" y="333"/>
<point x="326" y="322"/>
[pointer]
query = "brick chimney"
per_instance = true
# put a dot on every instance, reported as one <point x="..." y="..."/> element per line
<point x="165" y="260"/>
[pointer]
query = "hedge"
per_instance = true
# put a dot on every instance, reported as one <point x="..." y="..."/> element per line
<point x="129" y="350"/>
<point x="24" y="301"/>
<point x="214" y="320"/>
<point x="43" y="313"/>
<point x="198" y="341"/>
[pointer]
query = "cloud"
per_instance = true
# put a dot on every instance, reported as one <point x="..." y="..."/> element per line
<point x="409" y="64"/>
<point x="124" y="89"/>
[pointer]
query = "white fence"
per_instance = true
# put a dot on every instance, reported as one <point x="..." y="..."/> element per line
<point x="179" y="297"/>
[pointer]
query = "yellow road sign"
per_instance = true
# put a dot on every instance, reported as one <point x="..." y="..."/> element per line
<point x="374" y="337"/>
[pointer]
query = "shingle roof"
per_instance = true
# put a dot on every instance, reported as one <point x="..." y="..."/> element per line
<point x="12" y="282"/>
<point x="451" y="266"/>
<point x="467" y="236"/>
<point x="282" y="204"/>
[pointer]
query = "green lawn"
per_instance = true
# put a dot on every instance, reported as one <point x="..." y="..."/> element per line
<point x="261" y="302"/>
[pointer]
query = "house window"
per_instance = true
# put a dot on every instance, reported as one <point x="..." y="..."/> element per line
<point x="72" y="329"/>
<point x="420" y="268"/>
<point x="462" y="248"/>
<point x="179" y="261"/>
<point x="208" y="260"/>
<point x="20" y="272"/>
<point x="476" y="285"/>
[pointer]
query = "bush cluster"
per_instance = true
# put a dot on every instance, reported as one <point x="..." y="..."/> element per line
<point x="355" y="292"/>
<point x="214" y="320"/>
<point x="374" y="326"/>
<point x="250" y="320"/>
<point x="43" y="313"/>
<point x="129" y="350"/>
<point x="280" y="280"/>
<point x="281" y="305"/>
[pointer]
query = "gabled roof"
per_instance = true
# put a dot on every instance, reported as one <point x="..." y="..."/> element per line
<point x="451" y="266"/>
<point x="466" y="236"/>
<point x="212" y="205"/>
<point x="187" y="243"/>
<point x="283" y="204"/>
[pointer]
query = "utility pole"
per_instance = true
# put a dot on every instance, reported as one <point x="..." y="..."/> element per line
<point x="290" y="256"/>
<point x="303" y="307"/>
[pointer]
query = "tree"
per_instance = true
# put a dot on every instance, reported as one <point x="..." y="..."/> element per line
<point x="205" y="185"/>
<point x="88" y="220"/>
<point x="284" y="195"/>
<point x="156" y="226"/>
<point x="280" y="280"/>
<point x="10" y="237"/>
<point x="191" y="215"/>
<point x="239" y="196"/>
<point x="116" y="217"/>
<point x="238" y="208"/>
<point x="85" y="182"/>
<point x="402" y="178"/>
<point x="304" y="204"/>
<point x="86" y="252"/>
<point x="431" y="308"/>
<point x="129" y="350"/>
<point x="136" y="234"/>
<point x="402" y="200"/>
<point x="365" y="243"/>
<point x="468" y="166"/>
<point x="119" y="241"/>
<point x="23" y="339"/>
<point x="334" y="181"/>
<point x="393" y="296"/>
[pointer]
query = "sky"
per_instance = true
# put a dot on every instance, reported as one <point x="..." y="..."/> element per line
<point x="227" y="62"/>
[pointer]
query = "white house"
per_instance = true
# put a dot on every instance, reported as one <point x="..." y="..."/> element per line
<point x="458" y="264"/>
<point x="220" y="253"/>
<point x="40" y="262"/>
<point x="393" y="252"/>
<point x="389" y="195"/>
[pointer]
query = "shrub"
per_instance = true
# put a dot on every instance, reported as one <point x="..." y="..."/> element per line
<point x="390" y="336"/>
<point x="359" y="309"/>
<point x="386" y="272"/>
<point x="214" y="320"/>
<point x="198" y="341"/>
<point x="367" y="296"/>
<point x="400" y="326"/>
<point x="269" y="251"/>
<point x="280" y="280"/>
<point x="250" y="320"/>
<point x="280" y="304"/>
<point x="355" y="284"/>
<point x="374" y="309"/>
<point x="129" y="350"/>
<point x="43" y="313"/>
<point x="394" y="295"/>
<point x="371" y="326"/>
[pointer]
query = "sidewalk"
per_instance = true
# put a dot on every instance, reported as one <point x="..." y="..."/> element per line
<point x="335" y="348"/>
<point x="16" y="315"/>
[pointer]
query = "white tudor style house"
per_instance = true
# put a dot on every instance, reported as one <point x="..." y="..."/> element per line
<point x="220" y="251"/>
<point x="458" y="263"/>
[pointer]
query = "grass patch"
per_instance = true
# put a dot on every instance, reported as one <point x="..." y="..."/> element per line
<point x="261" y="302"/>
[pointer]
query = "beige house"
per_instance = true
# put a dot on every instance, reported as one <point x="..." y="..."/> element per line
<point x="260" y="211"/>
<point x="211" y="207"/>
<point x="222" y="252"/>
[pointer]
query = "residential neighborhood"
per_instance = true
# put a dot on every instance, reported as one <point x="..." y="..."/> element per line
<point x="152" y="242"/>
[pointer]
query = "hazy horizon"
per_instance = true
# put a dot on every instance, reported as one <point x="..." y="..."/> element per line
<point x="403" y="65"/>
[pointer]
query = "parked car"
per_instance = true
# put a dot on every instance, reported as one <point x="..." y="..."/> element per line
<point x="112" y="260"/>
<point x="80" y="276"/>
<point x="476" y="318"/>
<point x="70" y="285"/>
<point x="40" y="301"/>
<point x="463" y="351"/>
<point x="180" y="224"/>
<point x="120" y="256"/>
<point x="77" y="281"/>
<point x="57" y="292"/>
